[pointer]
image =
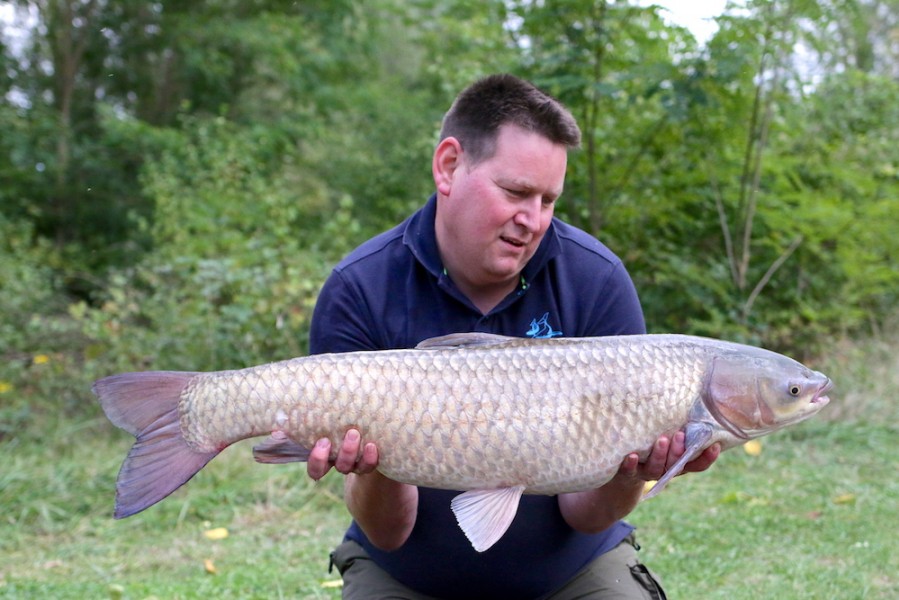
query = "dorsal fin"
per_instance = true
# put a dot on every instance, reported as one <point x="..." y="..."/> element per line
<point x="465" y="340"/>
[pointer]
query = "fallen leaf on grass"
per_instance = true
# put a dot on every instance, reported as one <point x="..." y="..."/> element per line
<point x="752" y="447"/>
<point x="844" y="499"/>
<point x="219" y="533"/>
<point x="738" y="497"/>
<point x="209" y="566"/>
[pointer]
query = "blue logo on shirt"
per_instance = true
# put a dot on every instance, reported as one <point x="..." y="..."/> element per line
<point x="542" y="329"/>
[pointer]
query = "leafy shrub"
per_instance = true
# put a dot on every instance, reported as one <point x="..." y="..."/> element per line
<point x="37" y="339"/>
<point x="234" y="267"/>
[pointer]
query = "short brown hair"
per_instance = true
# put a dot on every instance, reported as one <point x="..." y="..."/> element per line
<point x="489" y="103"/>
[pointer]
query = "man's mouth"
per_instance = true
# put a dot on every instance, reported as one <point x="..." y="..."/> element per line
<point x="513" y="242"/>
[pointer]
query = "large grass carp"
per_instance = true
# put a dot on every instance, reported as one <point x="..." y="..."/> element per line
<point x="491" y="416"/>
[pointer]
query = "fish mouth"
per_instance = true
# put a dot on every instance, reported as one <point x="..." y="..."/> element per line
<point x="820" y="397"/>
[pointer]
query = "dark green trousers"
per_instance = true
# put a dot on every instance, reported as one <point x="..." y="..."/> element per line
<point x="616" y="575"/>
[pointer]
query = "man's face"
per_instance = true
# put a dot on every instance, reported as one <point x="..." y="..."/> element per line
<point x="494" y="213"/>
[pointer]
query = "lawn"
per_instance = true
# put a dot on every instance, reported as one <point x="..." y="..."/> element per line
<point x="813" y="515"/>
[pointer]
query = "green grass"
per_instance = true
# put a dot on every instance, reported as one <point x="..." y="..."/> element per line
<point x="58" y="539"/>
<point x="813" y="516"/>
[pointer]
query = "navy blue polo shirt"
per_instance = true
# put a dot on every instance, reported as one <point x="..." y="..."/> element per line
<point x="392" y="292"/>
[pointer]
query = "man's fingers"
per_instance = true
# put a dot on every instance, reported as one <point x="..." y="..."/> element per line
<point x="629" y="465"/>
<point x="369" y="460"/>
<point x="348" y="452"/>
<point x="352" y="456"/>
<point x="657" y="460"/>
<point x="676" y="449"/>
<point x="704" y="460"/>
<point x="319" y="459"/>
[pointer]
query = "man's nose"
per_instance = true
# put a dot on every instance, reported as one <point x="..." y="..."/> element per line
<point x="528" y="214"/>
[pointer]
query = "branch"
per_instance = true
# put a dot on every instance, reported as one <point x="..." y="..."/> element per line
<point x="747" y="307"/>
<point x="725" y="231"/>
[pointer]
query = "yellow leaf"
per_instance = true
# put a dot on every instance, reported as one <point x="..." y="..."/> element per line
<point x="844" y="499"/>
<point x="5" y="386"/>
<point x="753" y="447"/>
<point x="41" y="359"/>
<point x="209" y="566"/>
<point x="738" y="497"/>
<point x="335" y="583"/>
<point x="219" y="533"/>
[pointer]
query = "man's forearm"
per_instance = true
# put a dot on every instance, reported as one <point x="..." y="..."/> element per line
<point x="596" y="510"/>
<point x="385" y="509"/>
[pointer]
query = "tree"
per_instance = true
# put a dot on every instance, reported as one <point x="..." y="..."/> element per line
<point x="614" y="65"/>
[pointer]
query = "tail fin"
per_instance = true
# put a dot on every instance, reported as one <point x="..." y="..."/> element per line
<point x="146" y="406"/>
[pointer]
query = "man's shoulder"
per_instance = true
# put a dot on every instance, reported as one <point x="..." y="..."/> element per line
<point x="579" y="246"/>
<point x="378" y="251"/>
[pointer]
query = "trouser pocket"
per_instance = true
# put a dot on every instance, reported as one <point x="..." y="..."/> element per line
<point x="647" y="581"/>
<point x="345" y="555"/>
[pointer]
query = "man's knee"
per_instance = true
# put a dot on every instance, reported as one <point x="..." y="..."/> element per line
<point x="365" y="580"/>
<point x="616" y="575"/>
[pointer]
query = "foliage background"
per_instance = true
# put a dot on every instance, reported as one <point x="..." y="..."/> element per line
<point x="177" y="178"/>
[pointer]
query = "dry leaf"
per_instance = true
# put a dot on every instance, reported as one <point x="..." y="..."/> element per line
<point x="209" y="566"/>
<point x="334" y="583"/>
<point x="844" y="499"/>
<point x="752" y="447"/>
<point x="219" y="533"/>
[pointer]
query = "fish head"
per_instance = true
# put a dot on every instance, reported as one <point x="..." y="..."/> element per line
<point x="756" y="391"/>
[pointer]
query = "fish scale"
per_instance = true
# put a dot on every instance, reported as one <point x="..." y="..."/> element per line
<point x="492" y="415"/>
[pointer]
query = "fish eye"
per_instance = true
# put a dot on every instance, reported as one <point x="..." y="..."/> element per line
<point x="795" y="390"/>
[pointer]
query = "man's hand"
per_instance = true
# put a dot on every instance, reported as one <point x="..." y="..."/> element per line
<point x="352" y="456"/>
<point x="385" y="509"/>
<point x="666" y="452"/>
<point x="593" y="511"/>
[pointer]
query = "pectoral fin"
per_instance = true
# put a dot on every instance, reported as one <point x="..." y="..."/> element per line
<point x="485" y="515"/>
<point x="697" y="439"/>
<point x="279" y="449"/>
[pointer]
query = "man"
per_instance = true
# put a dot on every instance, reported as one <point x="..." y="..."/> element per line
<point x="486" y="254"/>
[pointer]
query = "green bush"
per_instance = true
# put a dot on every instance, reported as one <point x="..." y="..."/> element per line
<point x="234" y="268"/>
<point x="38" y="342"/>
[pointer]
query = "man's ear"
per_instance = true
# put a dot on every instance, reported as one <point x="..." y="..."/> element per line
<point x="447" y="158"/>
